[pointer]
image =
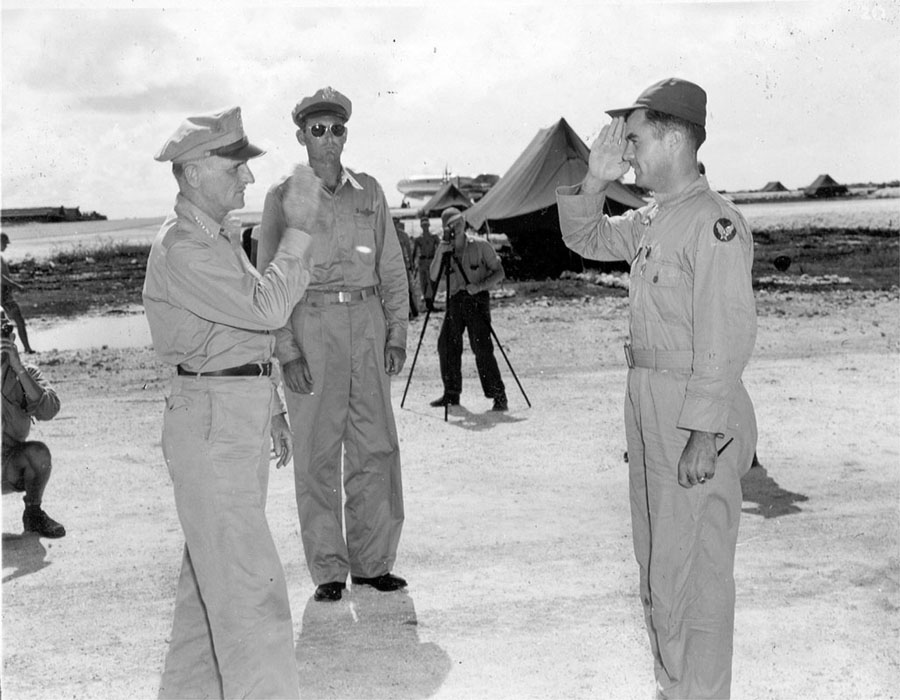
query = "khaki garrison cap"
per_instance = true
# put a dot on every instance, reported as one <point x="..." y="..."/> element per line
<point x="216" y="134"/>
<point x="673" y="96"/>
<point x="326" y="100"/>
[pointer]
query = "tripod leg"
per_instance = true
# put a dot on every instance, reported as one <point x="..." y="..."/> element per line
<point x="412" y="367"/>
<point x="509" y="364"/>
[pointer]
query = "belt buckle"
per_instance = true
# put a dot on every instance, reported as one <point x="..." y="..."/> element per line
<point x="629" y="356"/>
<point x="344" y="297"/>
<point x="262" y="371"/>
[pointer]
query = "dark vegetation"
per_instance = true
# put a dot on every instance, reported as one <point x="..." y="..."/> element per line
<point x="82" y="280"/>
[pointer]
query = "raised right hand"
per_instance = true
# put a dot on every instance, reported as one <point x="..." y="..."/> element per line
<point x="297" y="376"/>
<point x="606" y="160"/>
<point x="303" y="199"/>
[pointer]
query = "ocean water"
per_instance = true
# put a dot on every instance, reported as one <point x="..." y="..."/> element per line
<point x="131" y="330"/>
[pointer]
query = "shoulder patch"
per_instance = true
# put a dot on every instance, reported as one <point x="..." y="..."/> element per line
<point x="724" y="230"/>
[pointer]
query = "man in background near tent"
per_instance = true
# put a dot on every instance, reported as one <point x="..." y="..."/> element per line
<point x="689" y="423"/>
<point x="211" y="315"/>
<point x="423" y="253"/>
<point x="345" y="339"/>
<point x="475" y="269"/>
<point x="8" y="301"/>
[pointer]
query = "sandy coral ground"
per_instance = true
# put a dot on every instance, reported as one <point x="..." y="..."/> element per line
<point x="517" y="539"/>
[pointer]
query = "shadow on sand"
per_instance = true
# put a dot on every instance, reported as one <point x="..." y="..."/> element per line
<point x="772" y="500"/>
<point x="23" y="552"/>
<point x="367" y="646"/>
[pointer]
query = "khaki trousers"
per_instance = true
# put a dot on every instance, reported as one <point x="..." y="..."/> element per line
<point x="685" y="539"/>
<point x="232" y="635"/>
<point x="350" y="412"/>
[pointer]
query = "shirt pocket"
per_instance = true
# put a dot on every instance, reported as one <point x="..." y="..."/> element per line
<point x="364" y="240"/>
<point x="667" y="298"/>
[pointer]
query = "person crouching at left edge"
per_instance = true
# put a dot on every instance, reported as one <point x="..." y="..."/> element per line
<point x="211" y="315"/>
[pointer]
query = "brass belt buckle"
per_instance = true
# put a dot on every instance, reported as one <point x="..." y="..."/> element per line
<point x="629" y="356"/>
<point x="344" y="297"/>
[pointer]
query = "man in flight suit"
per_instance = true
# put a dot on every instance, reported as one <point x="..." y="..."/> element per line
<point x="689" y="423"/>
<point x="345" y="340"/>
<point x="475" y="269"/>
<point x="211" y="316"/>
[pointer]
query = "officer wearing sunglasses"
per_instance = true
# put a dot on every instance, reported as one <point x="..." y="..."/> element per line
<point x="344" y="341"/>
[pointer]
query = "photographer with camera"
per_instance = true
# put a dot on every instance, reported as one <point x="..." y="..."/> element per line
<point x="474" y="269"/>
<point x="26" y="463"/>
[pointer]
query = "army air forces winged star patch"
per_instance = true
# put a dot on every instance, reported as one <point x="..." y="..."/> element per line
<point x="724" y="230"/>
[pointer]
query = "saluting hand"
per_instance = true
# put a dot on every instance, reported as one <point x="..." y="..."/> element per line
<point x="606" y="160"/>
<point x="303" y="199"/>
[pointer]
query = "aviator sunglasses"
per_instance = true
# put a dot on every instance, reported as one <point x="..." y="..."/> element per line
<point x="337" y="130"/>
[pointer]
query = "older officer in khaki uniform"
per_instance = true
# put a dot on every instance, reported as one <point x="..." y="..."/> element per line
<point x="345" y="340"/>
<point x="689" y="422"/>
<point x="211" y="317"/>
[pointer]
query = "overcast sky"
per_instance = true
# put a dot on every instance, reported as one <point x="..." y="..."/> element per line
<point x="90" y="93"/>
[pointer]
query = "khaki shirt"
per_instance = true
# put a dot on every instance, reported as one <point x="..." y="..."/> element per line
<point x="207" y="307"/>
<point x="354" y="246"/>
<point x="424" y="246"/>
<point x="479" y="261"/>
<point x="691" y="289"/>
<point x="18" y="410"/>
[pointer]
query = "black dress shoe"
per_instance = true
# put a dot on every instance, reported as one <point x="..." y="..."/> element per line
<point x="445" y="400"/>
<point x="500" y="404"/>
<point x="384" y="583"/>
<point x="329" y="591"/>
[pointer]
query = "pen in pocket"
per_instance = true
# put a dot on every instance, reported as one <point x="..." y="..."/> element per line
<point x="722" y="448"/>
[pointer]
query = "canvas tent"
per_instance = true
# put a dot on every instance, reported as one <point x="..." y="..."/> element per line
<point x="523" y="202"/>
<point x="774" y="186"/>
<point x="825" y="186"/>
<point x="449" y="195"/>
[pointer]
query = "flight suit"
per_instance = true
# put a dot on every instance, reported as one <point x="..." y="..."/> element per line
<point x="692" y="328"/>
<point x="209" y="310"/>
<point x="357" y="304"/>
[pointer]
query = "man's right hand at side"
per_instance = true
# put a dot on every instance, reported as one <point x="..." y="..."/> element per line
<point x="297" y="376"/>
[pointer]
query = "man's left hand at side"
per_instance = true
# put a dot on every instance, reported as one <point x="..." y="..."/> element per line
<point x="698" y="459"/>
<point x="282" y="442"/>
<point x="394" y="359"/>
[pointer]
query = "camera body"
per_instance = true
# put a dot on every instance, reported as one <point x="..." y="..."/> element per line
<point x="447" y="235"/>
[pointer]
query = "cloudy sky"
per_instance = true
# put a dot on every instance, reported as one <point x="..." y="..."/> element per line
<point x="90" y="91"/>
